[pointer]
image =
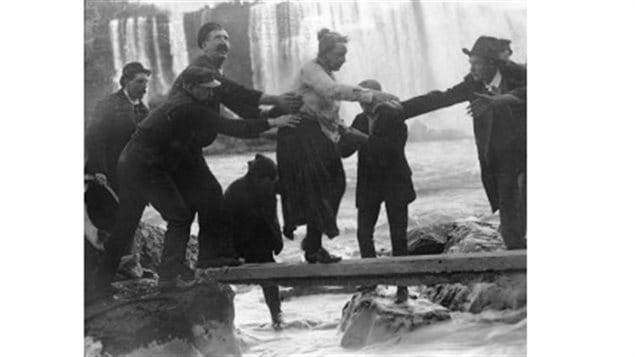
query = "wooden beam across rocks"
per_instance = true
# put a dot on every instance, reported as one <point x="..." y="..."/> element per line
<point x="408" y="270"/>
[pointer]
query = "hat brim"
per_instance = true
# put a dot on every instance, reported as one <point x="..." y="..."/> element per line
<point x="467" y="52"/>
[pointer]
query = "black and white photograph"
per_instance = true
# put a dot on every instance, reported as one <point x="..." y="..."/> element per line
<point x="305" y="178"/>
<point x="275" y="178"/>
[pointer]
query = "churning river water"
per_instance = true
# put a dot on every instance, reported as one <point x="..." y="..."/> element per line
<point x="446" y="178"/>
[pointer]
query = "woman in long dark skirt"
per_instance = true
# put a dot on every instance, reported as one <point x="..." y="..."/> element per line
<point x="312" y="180"/>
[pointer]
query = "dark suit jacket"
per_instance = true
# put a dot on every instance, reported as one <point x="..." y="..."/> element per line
<point x="383" y="173"/>
<point x="114" y="122"/>
<point x="501" y="133"/>
<point x="239" y="99"/>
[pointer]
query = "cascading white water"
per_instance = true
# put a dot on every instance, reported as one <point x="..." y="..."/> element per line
<point x="137" y="48"/>
<point x="140" y="41"/>
<point x="410" y="47"/>
<point x="160" y="75"/>
<point x="178" y="46"/>
<point x="116" y="53"/>
<point x="130" y="46"/>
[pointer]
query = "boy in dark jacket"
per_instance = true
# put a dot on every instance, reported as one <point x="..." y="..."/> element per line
<point x="383" y="175"/>
<point x="251" y="202"/>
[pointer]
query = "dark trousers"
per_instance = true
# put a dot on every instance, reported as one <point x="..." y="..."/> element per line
<point x="397" y="221"/>
<point x="204" y="195"/>
<point x="271" y="292"/>
<point x="512" y="196"/>
<point x="177" y="195"/>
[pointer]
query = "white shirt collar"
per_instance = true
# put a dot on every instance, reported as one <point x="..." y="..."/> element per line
<point x="134" y="102"/>
<point x="496" y="81"/>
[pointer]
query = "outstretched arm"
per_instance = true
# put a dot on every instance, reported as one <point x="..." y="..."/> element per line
<point x="436" y="100"/>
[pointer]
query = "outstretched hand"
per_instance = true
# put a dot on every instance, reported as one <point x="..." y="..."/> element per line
<point x="290" y="121"/>
<point x="380" y="97"/>
<point x="101" y="179"/>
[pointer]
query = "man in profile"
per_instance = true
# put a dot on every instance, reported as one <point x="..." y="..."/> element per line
<point x="496" y="89"/>
<point x="213" y="40"/>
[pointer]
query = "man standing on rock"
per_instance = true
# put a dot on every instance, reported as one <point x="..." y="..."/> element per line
<point x="149" y="171"/>
<point x="214" y="41"/>
<point x="497" y="92"/>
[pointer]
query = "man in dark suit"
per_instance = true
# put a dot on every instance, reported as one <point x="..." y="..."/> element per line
<point x="496" y="90"/>
<point x="383" y="175"/>
<point x="115" y="119"/>
<point x="213" y="40"/>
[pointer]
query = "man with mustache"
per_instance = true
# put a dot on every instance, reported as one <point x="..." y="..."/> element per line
<point x="496" y="90"/>
<point x="216" y="249"/>
<point x="115" y="119"/>
<point x="213" y="40"/>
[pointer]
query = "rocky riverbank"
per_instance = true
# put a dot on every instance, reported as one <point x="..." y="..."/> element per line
<point x="204" y="315"/>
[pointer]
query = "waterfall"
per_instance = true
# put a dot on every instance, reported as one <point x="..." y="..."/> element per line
<point x="178" y="46"/>
<point x="116" y="53"/>
<point x="134" y="39"/>
<point x="160" y="75"/>
<point x="141" y="41"/>
<point x="410" y="47"/>
<point x="130" y="46"/>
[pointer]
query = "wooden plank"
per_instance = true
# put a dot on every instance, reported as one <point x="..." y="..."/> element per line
<point x="409" y="270"/>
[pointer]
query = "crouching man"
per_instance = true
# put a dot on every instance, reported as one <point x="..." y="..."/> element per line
<point x="251" y="202"/>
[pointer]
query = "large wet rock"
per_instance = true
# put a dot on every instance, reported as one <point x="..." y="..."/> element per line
<point x="370" y="318"/>
<point x="470" y="236"/>
<point x="201" y="317"/>
<point x="465" y="236"/>
<point x="144" y="257"/>
<point x="505" y="292"/>
<point x="148" y="243"/>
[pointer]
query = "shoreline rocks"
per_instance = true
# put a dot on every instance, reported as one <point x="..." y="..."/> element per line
<point x="469" y="236"/>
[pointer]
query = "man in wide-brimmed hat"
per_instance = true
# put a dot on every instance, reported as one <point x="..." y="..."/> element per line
<point x="496" y="91"/>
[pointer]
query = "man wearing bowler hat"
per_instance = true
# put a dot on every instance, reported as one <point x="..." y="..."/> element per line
<point x="115" y="119"/>
<point x="496" y="90"/>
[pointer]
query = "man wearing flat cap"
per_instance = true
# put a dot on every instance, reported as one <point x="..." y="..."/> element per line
<point x="149" y="171"/>
<point x="213" y="40"/>
<point x="497" y="92"/>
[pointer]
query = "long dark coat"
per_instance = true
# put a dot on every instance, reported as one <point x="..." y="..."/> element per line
<point x="500" y="134"/>
<point x="383" y="173"/>
<point x="114" y="122"/>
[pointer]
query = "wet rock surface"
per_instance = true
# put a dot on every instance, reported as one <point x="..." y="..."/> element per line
<point x="507" y="291"/>
<point x="464" y="236"/>
<point x="141" y="315"/>
<point x="372" y="318"/>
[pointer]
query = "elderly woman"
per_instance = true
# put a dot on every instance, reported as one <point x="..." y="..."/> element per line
<point x="150" y="171"/>
<point x="312" y="179"/>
